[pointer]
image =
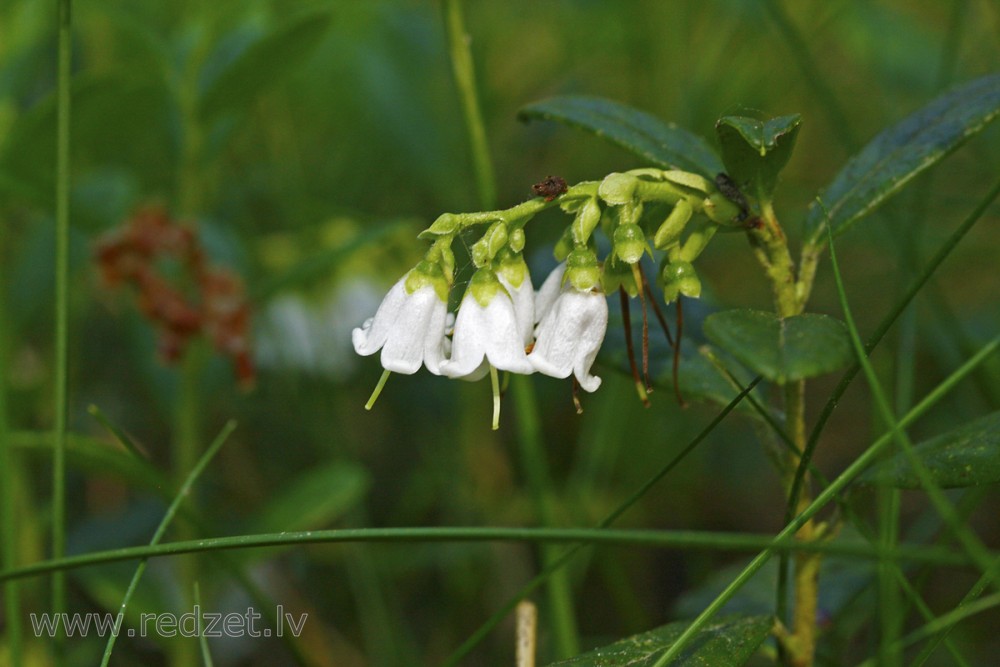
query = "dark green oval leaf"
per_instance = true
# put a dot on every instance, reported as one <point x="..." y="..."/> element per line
<point x="263" y="64"/>
<point x="756" y="151"/>
<point x="966" y="456"/>
<point x="664" y="144"/>
<point x="728" y="642"/>
<point x="904" y="150"/>
<point x="782" y="350"/>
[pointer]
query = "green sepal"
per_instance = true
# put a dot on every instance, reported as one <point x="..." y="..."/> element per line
<point x="484" y="285"/>
<point x="755" y="151"/>
<point x="630" y="243"/>
<point x="582" y="269"/>
<point x="447" y="224"/>
<point x="669" y="232"/>
<point x="677" y="278"/>
<point x="564" y="246"/>
<point x="588" y="215"/>
<point x="511" y="266"/>
<point x="428" y="273"/>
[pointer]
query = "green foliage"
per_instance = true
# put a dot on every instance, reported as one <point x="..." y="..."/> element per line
<point x="663" y="144"/>
<point x="966" y="456"/>
<point x="899" y="153"/>
<point x="782" y="350"/>
<point x="728" y="642"/>
<point x="264" y="63"/>
<point x="756" y="151"/>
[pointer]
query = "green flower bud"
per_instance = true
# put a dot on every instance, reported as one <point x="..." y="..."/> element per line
<point x="480" y="252"/>
<point x="670" y="231"/>
<point x="619" y="274"/>
<point x="496" y="238"/>
<point x="679" y="278"/>
<point x="720" y="210"/>
<point x="583" y="269"/>
<point x="630" y="243"/>
<point x="515" y="239"/>
<point x="618" y="188"/>
<point x="688" y="180"/>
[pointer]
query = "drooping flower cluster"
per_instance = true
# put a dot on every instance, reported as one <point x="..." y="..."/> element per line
<point x="502" y="323"/>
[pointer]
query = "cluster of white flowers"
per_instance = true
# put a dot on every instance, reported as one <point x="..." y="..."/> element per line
<point x="501" y="322"/>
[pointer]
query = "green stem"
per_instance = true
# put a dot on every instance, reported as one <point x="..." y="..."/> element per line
<point x="540" y="484"/>
<point x="465" y="79"/>
<point x="62" y="309"/>
<point x="691" y="540"/>
<point x="8" y="518"/>
<point x="827" y="495"/>
<point x="182" y="492"/>
<point x="187" y="428"/>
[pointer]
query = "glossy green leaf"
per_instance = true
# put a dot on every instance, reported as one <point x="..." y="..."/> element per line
<point x="315" y="499"/>
<point x="782" y="350"/>
<point x="756" y="151"/>
<point x="904" y="150"/>
<point x="728" y="642"/>
<point x="662" y="144"/>
<point x="966" y="456"/>
<point x="264" y="63"/>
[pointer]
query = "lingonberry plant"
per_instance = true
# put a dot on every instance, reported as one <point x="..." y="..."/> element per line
<point x="303" y="152"/>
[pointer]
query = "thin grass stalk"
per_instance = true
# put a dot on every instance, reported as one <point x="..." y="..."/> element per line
<point x="63" y="96"/>
<point x="8" y="496"/>
<point x="869" y="456"/>
<point x="182" y="492"/>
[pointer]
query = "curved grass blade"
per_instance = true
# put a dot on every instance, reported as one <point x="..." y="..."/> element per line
<point x="902" y="151"/>
<point x="664" y="144"/>
<point x="182" y="494"/>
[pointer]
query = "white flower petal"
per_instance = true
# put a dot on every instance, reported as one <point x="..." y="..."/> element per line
<point x="548" y="292"/>
<point x="491" y="333"/>
<point x="571" y="335"/>
<point x="523" y="298"/>
<point x="408" y="328"/>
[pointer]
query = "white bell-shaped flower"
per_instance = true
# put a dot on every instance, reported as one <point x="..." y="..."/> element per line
<point x="409" y="326"/>
<point x="570" y="334"/>
<point x="515" y="278"/>
<point x="486" y="328"/>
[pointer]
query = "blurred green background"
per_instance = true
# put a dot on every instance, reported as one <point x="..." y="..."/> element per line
<point x="308" y="143"/>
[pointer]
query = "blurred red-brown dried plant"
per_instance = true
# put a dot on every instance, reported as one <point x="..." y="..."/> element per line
<point x="213" y="303"/>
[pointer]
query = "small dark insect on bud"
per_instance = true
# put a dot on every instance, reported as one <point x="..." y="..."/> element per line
<point x="731" y="191"/>
<point x="550" y="188"/>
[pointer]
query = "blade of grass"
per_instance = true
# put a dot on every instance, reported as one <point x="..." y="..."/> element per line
<point x="465" y="79"/>
<point x="825" y="496"/>
<point x="64" y="74"/>
<point x="667" y="539"/>
<point x="845" y="381"/>
<point x="568" y="555"/>
<point x="182" y="492"/>
<point x="119" y="434"/>
<point x="972" y="545"/>
<point x="8" y="518"/>
<point x="206" y="655"/>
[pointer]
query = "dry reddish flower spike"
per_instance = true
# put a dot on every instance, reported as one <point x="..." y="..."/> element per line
<point x="218" y="309"/>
